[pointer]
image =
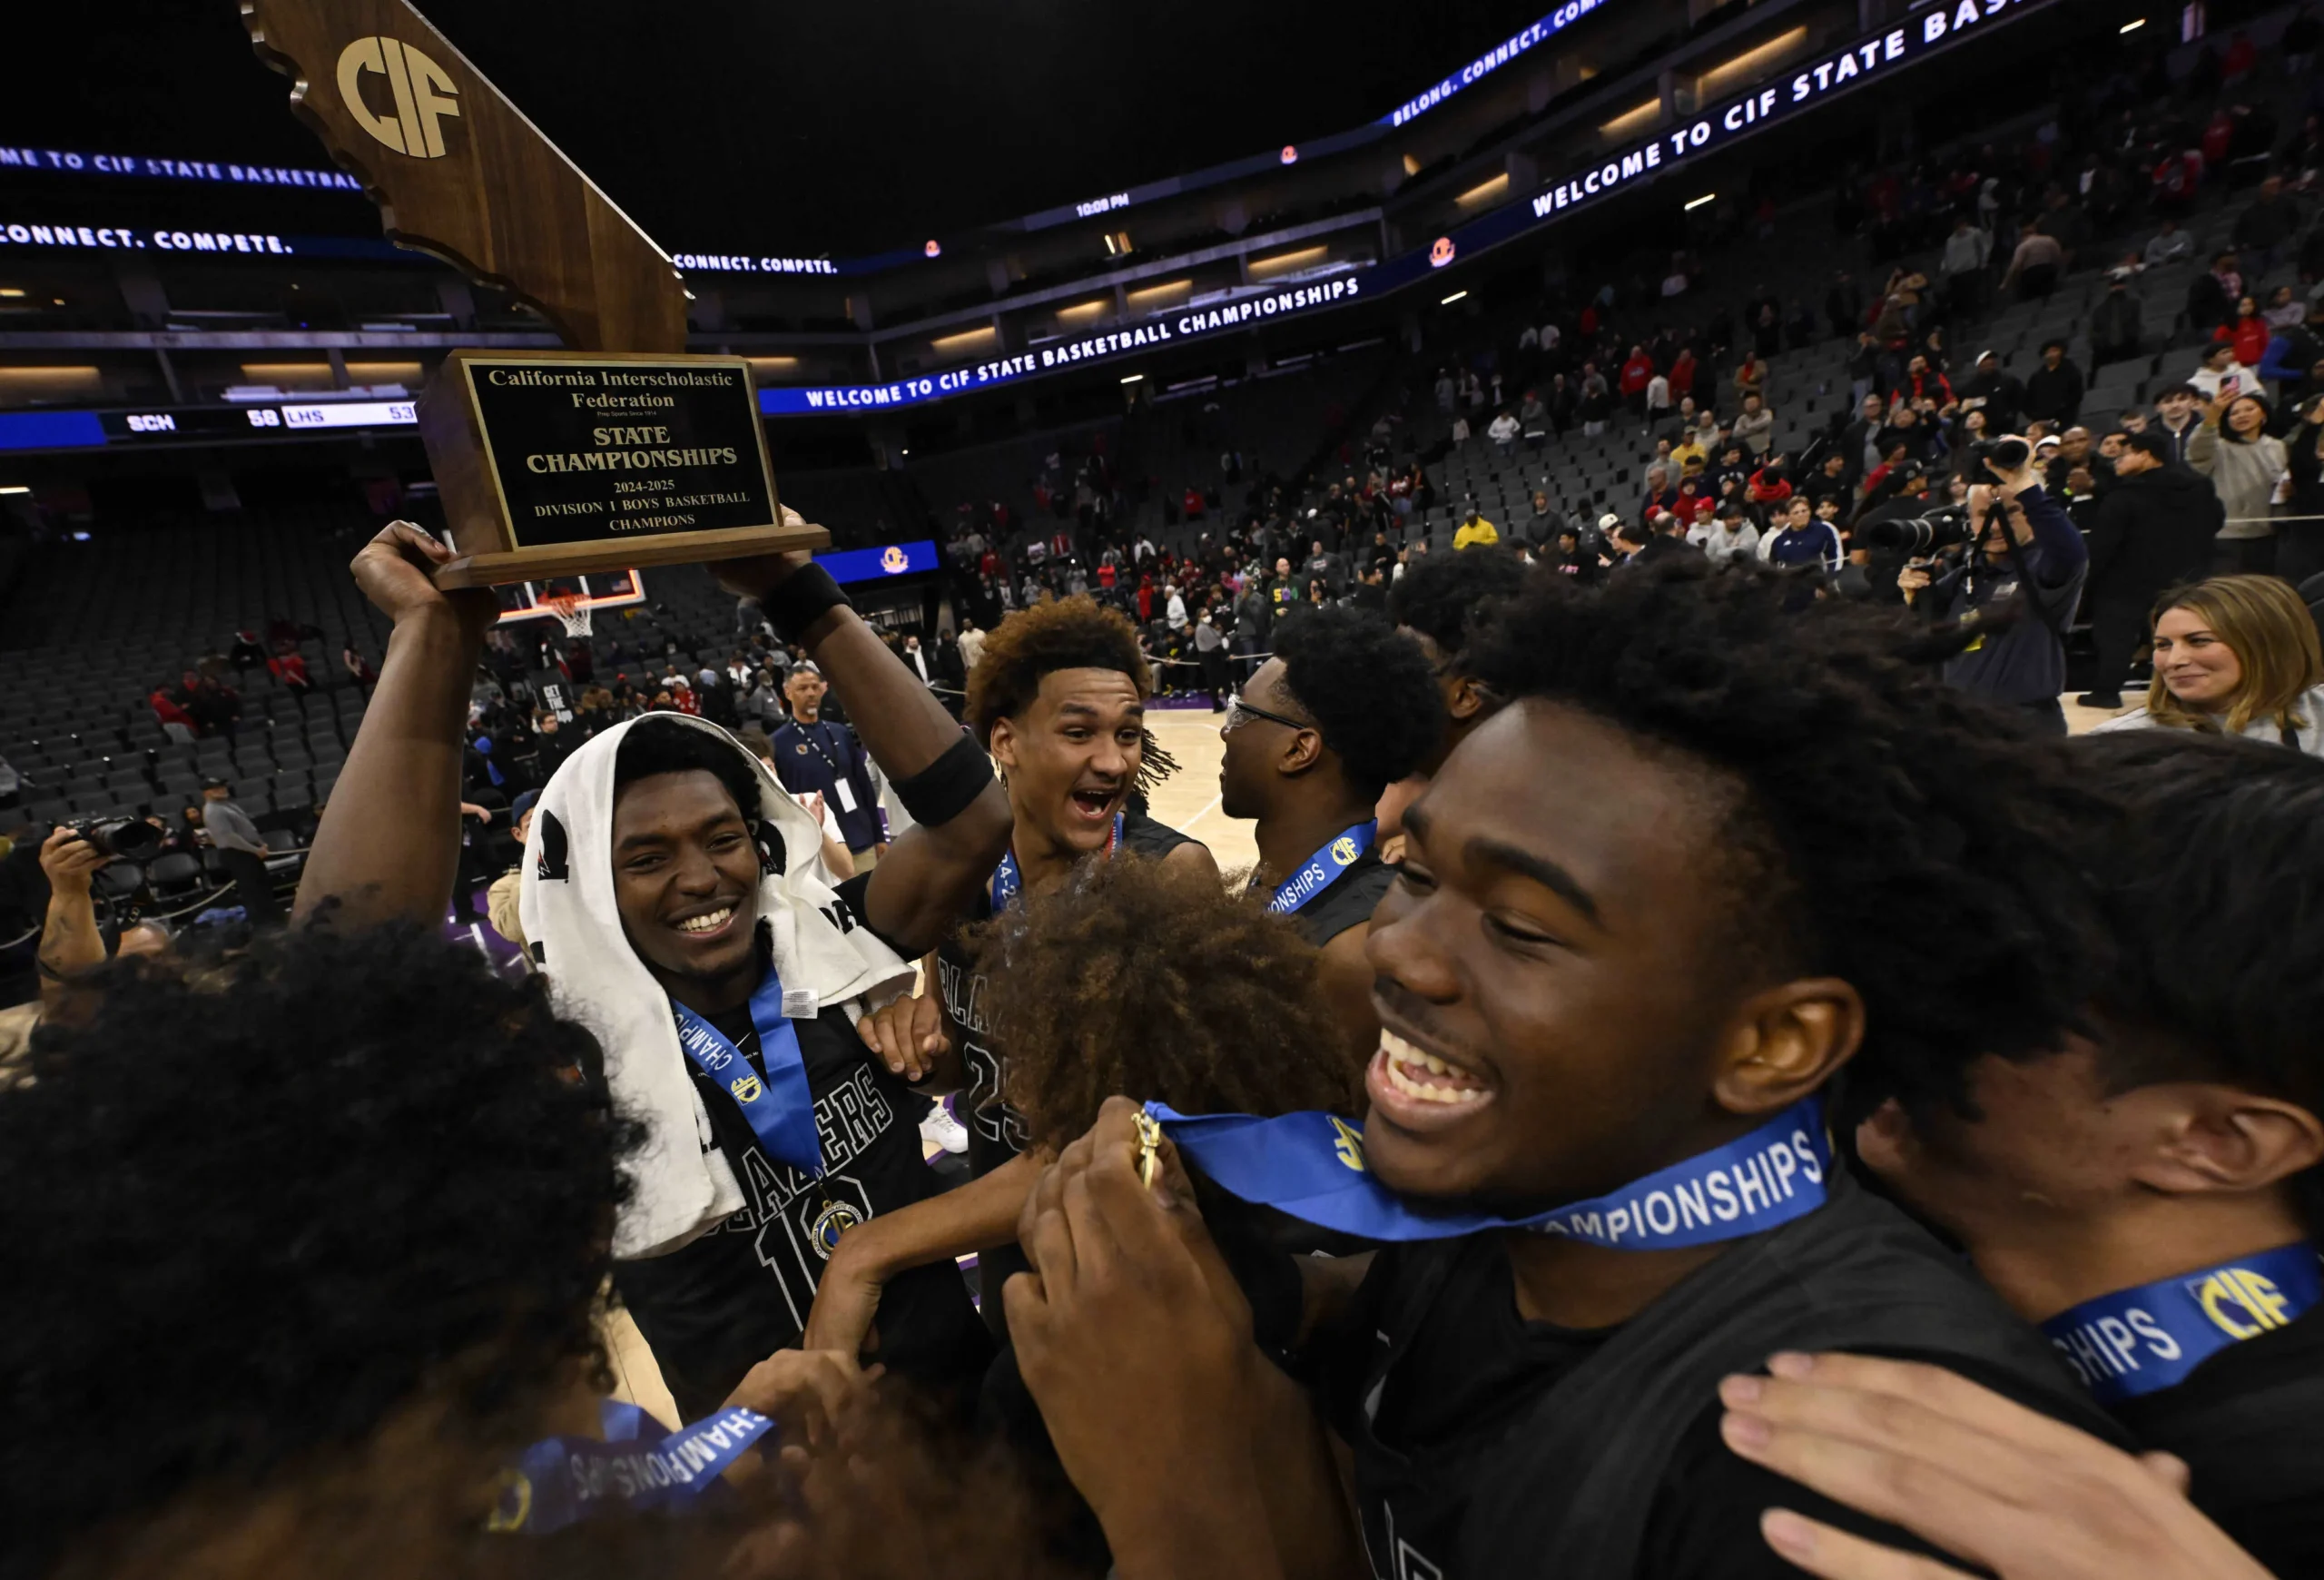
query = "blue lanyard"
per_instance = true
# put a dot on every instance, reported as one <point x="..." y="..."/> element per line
<point x="560" y="1481"/>
<point x="780" y="1109"/>
<point x="1319" y="871"/>
<point x="816" y="736"/>
<point x="2145" y="1339"/>
<point x="1311" y="1165"/>
<point x="1006" y="884"/>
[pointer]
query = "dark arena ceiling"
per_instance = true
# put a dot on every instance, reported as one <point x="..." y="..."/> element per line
<point x="809" y="128"/>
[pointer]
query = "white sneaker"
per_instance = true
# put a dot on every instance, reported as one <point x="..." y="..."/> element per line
<point x="939" y="1129"/>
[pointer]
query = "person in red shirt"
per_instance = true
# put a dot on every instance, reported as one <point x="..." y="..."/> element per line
<point x="1923" y="382"/>
<point x="682" y="697"/>
<point x="1146" y="597"/>
<point x="176" y="723"/>
<point x="1683" y="375"/>
<point x="1106" y="574"/>
<point x="1770" y="485"/>
<point x="2246" y="332"/>
<point x="1636" y="374"/>
<point x="2219" y="136"/>
<point x="291" y="669"/>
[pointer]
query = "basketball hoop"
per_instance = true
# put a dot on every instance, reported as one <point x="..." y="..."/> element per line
<point x="570" y="612"/>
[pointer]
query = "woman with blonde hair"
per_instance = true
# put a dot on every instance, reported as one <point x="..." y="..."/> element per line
<point x="2236" y="656"/>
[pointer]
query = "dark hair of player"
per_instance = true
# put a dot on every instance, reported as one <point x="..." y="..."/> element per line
<point x="2214" y="893"/>
<point x="253" y="1209"/>
<point x="1440" y="594"/>
<point x="1875" y="824"/>
<point x="1370" y="690"/>
<point x="656" y="746"/>
<point x="1143" y="980"/>
<point x="1075" y="633"/>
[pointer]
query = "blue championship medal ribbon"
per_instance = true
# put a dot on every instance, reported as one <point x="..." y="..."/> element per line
<point x="1319" y="871"/>
<point x="2145" y="1339"/>
<point x="1007" y="884"/>
<point x="1311" y="1166"/>
<point x="561" y="1481"/>
<point x="780" y="1109"/>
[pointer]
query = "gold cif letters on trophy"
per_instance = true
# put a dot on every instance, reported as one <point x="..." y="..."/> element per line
<point x="675" y="466"/>
<point x="424" y="94"/>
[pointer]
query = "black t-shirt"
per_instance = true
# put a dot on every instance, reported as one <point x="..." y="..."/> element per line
<point x="997" y="1131"/>
<point x="1347" y="900"/>
<point x="2250" y="1424"/>
<point x="719" y="1305"/>
<point x="1472" y="1377"/>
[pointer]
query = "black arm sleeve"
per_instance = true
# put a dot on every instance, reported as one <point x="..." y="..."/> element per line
<point x="850" y="898"/>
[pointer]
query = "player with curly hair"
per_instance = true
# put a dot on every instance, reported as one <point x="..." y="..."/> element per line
<point x="1148" y="980"/>
<point x="1347" y="707"/>
<point x="329" y="1250"/>
<point x="1709" y="854"/>
<point x="1058" y="698"/>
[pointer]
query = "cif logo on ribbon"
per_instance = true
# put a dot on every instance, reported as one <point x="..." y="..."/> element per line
<point x="746" y="1089"/>
<point x="1347" y="1142"/>
<point x="1441" y="254"/>
<point x="425" y="95"/>
<point x="2243" y="1304"/>
<point x="1343" y="850"/>
<point x="894" y="560"/>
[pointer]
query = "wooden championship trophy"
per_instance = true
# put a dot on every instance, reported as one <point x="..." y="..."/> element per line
<point x="626" y="450"/>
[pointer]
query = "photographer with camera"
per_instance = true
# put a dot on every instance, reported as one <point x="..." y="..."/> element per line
<point x="72" y="940"/>
<point x="2008" y="572"/>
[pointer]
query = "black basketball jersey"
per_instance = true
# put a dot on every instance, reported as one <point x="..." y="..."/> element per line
<point x="2245" y="1421"/>
<point x="726" y="1301"/>
<point x="1485" y="1445"/>
<point x="1347" y="900"/>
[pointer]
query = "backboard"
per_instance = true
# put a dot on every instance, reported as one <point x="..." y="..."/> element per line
<point x="610" y="589"/>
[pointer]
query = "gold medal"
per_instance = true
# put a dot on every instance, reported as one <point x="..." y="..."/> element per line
<point x="1149" y="1148"/>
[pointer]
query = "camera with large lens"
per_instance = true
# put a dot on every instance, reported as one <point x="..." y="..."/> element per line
<point x="1946" y="527"/>
<point x="129" y="839"/>
<point x="2004" y="455"/>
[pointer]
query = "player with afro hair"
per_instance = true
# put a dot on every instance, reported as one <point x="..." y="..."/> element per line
<point x="255" y="1208"/>
<point x="1135" y="978"/>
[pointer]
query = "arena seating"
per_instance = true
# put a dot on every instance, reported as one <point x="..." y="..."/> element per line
<point x="1583" y="475"/>
<point x="92" y="628"/>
